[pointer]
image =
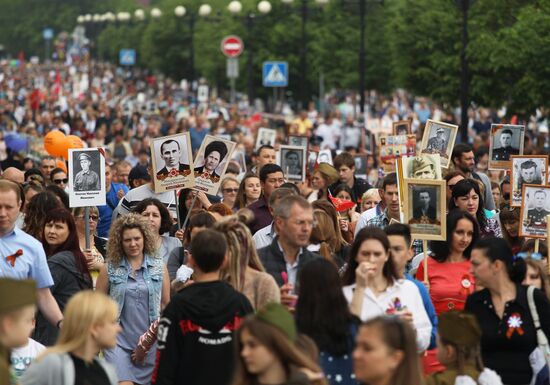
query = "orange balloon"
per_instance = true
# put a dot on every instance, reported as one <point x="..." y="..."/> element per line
<point x="54" y="142"/>
<point x="61" y="164"/>
<point x="72" y="141"/>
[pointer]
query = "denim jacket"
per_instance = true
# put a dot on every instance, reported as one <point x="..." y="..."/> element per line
<point x="152" y="274"/>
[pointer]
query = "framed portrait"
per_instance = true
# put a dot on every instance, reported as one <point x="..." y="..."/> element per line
<point x="402" y="127"/>
<point x="368" y="141"/>
<point x="311" y="161"/>
<point x="172" y="162"/>
<point x="324" y="156"/>
<point x="426" y="166"/>
<point x="425" y="208"/>
<point x="239" y="157"/>
<point x="266" y="136"/>
<point x="505" y="140"/>
<point x="211" y="162"/>
<point x="528" y="169"/>
<point x="439" y="138"/>
<point x="292" y="160"/>
<point x="87" y="177"/>
<point x="393" y="147"/>
<point x="298" y="140"/>
<point x="360" y="166"/>
<point x="534" y="211"/>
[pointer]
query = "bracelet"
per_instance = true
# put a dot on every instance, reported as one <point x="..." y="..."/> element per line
<point x="58" y="324"/>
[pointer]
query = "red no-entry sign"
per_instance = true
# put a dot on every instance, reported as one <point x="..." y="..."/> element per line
<point x="232" y="46"/>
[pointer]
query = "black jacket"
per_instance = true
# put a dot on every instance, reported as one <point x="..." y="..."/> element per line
<point x="274" y="261"/>
<point x="195" y="335"/>
<point x="67" y="281"/>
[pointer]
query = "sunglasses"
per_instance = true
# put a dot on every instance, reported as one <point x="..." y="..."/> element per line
<point x="93" y="217"/>
<point x="524" y="255"/>
<point x="59" y="181"/>
<point x="230" y="190"/>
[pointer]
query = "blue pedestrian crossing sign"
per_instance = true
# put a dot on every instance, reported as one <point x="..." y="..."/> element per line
<point x="275" y="74"/>
<point x="127" y="57"/>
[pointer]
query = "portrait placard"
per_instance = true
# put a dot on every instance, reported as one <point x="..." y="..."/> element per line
<point x="526" y="169"/>
<point x="439" y="138"/>
<point x="87" y="177"/>
<point x="534" y="211"/>
<point x="402" y="127"/>
<point x="311" y="161"/>
<point x="505" y="140"/>
<point x="360" y="166"/>
<point x="324" y="156"/>
<point x="211" y="162"/>
<point x="292" y="160"/>
<point x="239" y="157"/>
<point x="266" y="136"/>
<point x="368" y="141"/>
<point x="425" y="208"/>
<point x="172" y="162"/>
<point x="425" y="166"/>
<point x="395" y="146"/>
<point x="298" y="140"/>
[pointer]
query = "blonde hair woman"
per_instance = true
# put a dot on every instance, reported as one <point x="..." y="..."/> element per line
<point x="137" y="279"/>
<point x="90" y="324"/>
<point x="243" y="269"/>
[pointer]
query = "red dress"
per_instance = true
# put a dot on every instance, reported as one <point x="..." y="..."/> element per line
<point x="450" y="284"/>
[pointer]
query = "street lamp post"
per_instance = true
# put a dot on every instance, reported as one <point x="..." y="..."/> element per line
<point x="464" y="6"/>
<point x="264" y="7"/>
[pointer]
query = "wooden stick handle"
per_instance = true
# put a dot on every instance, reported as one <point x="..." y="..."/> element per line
<point x="425" y="261"/>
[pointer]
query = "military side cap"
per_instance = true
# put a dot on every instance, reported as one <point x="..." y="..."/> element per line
<point x="329" y="172"/>
<point x="15" y="294"/>
<point x="459" y="328"/>
<point x="420" y="162"/>
<point x="440" y="129"/>
<point x="278" y="316"/>
<point x="84" y="156"/>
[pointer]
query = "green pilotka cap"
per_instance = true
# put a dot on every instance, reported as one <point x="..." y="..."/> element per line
<point x="277" y="315"/>
<point x="15" y="294"/>
<point x="459" y="328"/>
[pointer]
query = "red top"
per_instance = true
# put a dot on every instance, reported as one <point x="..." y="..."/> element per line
<point x="450" y="284"/>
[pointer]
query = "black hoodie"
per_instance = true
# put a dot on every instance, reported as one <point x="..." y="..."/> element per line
<point x="195" y="335"/>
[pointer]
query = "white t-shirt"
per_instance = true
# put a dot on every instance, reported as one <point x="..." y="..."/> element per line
<point x="402" y="292"/>
<point x="21" y="358"/>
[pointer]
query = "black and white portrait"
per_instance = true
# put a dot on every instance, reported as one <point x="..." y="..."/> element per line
<point x="266" y="137"/>
<point x="424" y="204"/>
<point x="86" y="177"/>
<point x="172" y="162"/>
<point x="325" y="156"/>
<point x="297" y="140"/>
<point x="439" y="138"/>
<point x="529" y="169"/>
<point x="360" y="166"/>
<point x="534" y="211"/>
<point x="426" y="166"/>
<point x="211" y="162"/>
<point x="311" y="161"/>
<point x="505" y="140"/>
<point x="292" y="161"/>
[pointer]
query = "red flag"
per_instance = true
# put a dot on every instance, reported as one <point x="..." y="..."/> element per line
<point x="341" y="204"/>
<point x="57" y="88"/>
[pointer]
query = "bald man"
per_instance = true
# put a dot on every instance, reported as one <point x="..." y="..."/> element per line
<point x="14" y="174"/>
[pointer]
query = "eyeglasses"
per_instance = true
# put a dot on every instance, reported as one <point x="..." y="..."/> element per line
<point x="93" y="217"/>
<point x="525" y="255"/>
<point x="230" y="190"/>
<point x="59" y="181"/>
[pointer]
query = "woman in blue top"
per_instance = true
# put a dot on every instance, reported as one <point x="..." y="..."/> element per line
<point x="322" y="313"/>
<point x="137" y="279"/>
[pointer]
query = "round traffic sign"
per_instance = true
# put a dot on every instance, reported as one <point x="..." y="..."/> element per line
<point x="232" y="46"/>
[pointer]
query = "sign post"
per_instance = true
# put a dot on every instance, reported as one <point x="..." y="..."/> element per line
<point x="275" y="75"/>
<point x="232" y="47"/>
<point x="47" y="34"/>
<point x="127" y="57"/>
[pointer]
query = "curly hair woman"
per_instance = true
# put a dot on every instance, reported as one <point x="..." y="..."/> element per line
<point x="137" y="279"/>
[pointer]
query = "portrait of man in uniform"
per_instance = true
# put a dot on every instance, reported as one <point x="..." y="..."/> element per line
<point x="422" y="168"/>
<point x="170" y="152"/>
<point x="423" y="211"/>
<point x="504" y="148"/>
<point x="537" y="215"/>
<point x="505" y="141"/>
<point x="86" y="179"/>
<point x="529" y="170"/>
<point x="439" y="138"/>
<point x="437" y="144"/>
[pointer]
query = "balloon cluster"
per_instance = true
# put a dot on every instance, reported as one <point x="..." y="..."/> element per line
<point x="57" y="143"/>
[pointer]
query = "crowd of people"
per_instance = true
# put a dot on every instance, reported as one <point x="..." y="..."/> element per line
<point x="269" y="281"/>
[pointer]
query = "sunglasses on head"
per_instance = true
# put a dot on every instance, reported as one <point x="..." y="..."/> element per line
<point x="59" y="181"/>
<point x="524" y="255"/>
